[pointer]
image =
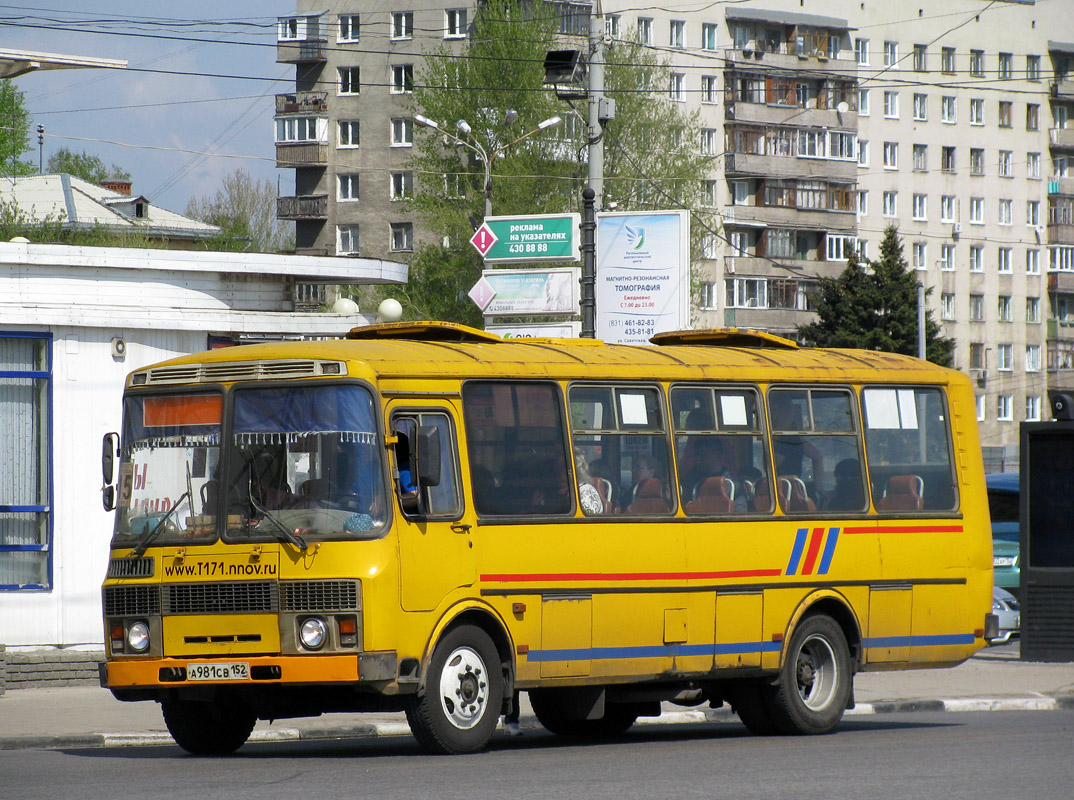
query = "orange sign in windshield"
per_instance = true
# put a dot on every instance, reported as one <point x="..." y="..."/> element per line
<point x="183" y="409"/>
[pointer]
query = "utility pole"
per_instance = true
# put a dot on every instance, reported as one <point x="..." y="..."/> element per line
<point x="595" y="177"/>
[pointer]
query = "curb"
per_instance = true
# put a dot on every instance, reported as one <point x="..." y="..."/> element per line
<point x="383" y="729"/>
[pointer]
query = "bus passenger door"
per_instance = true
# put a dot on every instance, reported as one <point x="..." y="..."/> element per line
<point x="435" y="548"/>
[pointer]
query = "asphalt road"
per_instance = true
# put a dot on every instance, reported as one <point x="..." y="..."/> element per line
<point x="920" y="755"/>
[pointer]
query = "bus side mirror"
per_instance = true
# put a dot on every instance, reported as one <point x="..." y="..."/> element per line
<point x="109" y="446"/>
<point x="428" y="455"/>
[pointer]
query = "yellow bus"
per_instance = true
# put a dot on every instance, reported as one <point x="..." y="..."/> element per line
<point x="423" y="517"/>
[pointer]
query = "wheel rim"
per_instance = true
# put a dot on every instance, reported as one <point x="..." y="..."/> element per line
<point x="816" y="672"/>
<point x="464" y="688"/>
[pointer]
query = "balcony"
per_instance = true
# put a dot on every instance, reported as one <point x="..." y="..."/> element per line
<point x="752" y="164"/>
<point x="306" y="154"/>
<point x="302" y="103"/>
<point x="1063" y="87"/>
<point x="301" y="51"/>
<point x="307" y="206"/>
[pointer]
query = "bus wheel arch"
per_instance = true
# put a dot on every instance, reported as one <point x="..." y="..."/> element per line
<point x="830" y="604"/>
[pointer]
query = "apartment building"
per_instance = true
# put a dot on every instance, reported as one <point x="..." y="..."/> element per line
<point x="826" y="121"/>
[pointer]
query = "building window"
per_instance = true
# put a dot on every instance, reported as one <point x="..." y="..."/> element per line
<point x="677" y="34"/>
<point x="980" y="408"/>
<point x="710" y="247"/>
<point x="977" y="63"/>
<point x="455" y="23"/>
<point x="740" y="243"/>
<point x="711" y="193"/>
<point x="709" y="89"/>
<point x="921" y="207"/>
<point x="25" y="461"/>
<point x="920" y="55"/>
<point x="976" y="258"/>
<point x="348" y="80"/>
<point x="1003" y="407"/>
<point x="709" y="142"/>
<point x="947" y="159"/>
<point x="891" y="54"/>
<point x="863" y="102"/>
<point x="976" y="308"/>
<point x="1032" y="262"/>
<point x="1006" y="161"/>
<point x="947" y="208"/>
<point x="740" y="193"/>
<point x="1005" y="113"/>
<point x="1062" y="258"/>
<point x="1005" y="211"/>
<point x="676" y="90"/>
<point x="863" y="152"/>
<point x="402" y="78"/>
<point x="1032" y="358"/>
<point x="1032" y="117"/>
<point x="1032" y="165"/>
<point x="861" y="50"/>
<point x="612" y="24"/>
<point x="402" y="132"/>
<point x="290" y="130"/>
<point x="708" y="36"/>
<point x="947" y="257"/>
<point x="863" y="202"/>
<point x="947" y="306"/>
<point x="1032" y="408"/>
<point x="347" y="133"/>
<point x="920" y="256"/>
<point x="838" y="247"/>
<point x="947" y="60"/>
<point x="1032" y="68"/>
<point x="1003" y="263"/>
<point x="1006" y="66"/>
<point x="921" y="157"/>
<point x="709" y="291"/>
<point x="976" y="161"/>
<point x="347" y="187"/>
<point x="1032" y="309"/>
<point x="921" y="107"/>
<point x="402" y="24"/>
<point x="746" y="293"/>
<point x="402" y="185"/>
<point x="977" y="211"/>
<point x="347" y="240"/>
<point x="947" y="110"/>
<point x="402" y="236"/>
<point x="1003" y="308"/>
<point x="891" y="155"/>
<point x="645" y="30"/>
<point x="976" y="111"/>
<point x="891" y="205"/>
<point x="891" y="105"/>
<point x="1005" y="357"/>
<point x="348" y="28"/>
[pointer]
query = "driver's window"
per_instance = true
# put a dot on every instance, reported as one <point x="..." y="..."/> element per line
<point x="441" y="500"/>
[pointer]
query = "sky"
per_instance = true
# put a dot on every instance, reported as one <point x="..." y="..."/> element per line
<point x="195" y="103"/>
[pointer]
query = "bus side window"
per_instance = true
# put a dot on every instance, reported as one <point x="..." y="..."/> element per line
<point x="908" y="442"/>
<point x="435" y="492"/>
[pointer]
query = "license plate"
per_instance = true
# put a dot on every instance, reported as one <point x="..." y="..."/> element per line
<point x="1003" y="561"/>
<point x="232" y="671"/>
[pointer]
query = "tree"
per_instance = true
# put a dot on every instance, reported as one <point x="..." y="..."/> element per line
<point x="875" y="309"/>
<point x="14" y="131"/>
<point x="85" y="166"/>
<point x="649" y="162"/>
<point x="245" y="209"/>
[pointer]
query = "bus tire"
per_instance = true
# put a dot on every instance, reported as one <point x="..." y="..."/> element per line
<point x="748" y="700"/>
<point x="815" y="680"/>
<point x="458" y="711"/>
<point x="208" y="729"/>
<point x="551" y="713"/>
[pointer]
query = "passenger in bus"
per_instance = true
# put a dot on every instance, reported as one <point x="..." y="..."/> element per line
<point x="714" y="460"/>
<point x="849" y="493"/>
<point x="268" y="478"/>
<point x="588" y="495"/>
<point x="606" y="479"/>
<point x="642" y="468"/>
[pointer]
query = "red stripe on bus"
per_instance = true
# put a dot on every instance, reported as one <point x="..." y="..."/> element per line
<point x="630" y="576"/>
<point x="814" y="548"/>
<point x="907" y="529"/>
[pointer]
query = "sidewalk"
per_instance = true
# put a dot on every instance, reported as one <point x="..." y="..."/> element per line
<point x="86" y="716"/>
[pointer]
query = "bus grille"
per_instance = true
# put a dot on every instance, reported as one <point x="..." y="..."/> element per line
<point x="131" y="567"/>
<point x="319" y="595"/>
<point x="131" y="601"/>
<point x="221" y="598"/>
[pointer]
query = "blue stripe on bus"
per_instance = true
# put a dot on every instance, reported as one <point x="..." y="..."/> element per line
<point x="920" y="641"/>
<point x="796" y="553"/>
<point x="829" y="551"/>
<point x="651" y="651"/>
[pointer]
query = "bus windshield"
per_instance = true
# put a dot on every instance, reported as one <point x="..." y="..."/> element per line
<point x="299" y="460"/>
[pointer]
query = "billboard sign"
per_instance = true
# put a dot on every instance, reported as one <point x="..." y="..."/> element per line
<point x="529" y="237"/>
<point x="527" y="291"/>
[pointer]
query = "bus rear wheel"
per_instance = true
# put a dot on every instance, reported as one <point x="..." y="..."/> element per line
<point x="458" y="711"/>
<point x="208" y="729"/>
<point x="815" y="680"/>
<point x="553" y="714"/>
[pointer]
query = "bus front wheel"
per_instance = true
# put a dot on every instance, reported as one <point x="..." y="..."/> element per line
<point x="815" y="680"/>
<point x="458" y="711"/>
<point x="208" y="729"/>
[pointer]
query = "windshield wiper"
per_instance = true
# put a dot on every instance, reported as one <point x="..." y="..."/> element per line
<point x="285" y="535"/>
<point x="146" y="540"/>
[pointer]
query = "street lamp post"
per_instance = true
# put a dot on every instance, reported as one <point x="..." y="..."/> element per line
<point x="486" y="157"/>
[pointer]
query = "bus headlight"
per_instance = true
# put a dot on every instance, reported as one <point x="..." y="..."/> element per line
<point x="313" y="633"/>
<point x="138" y="637"/>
